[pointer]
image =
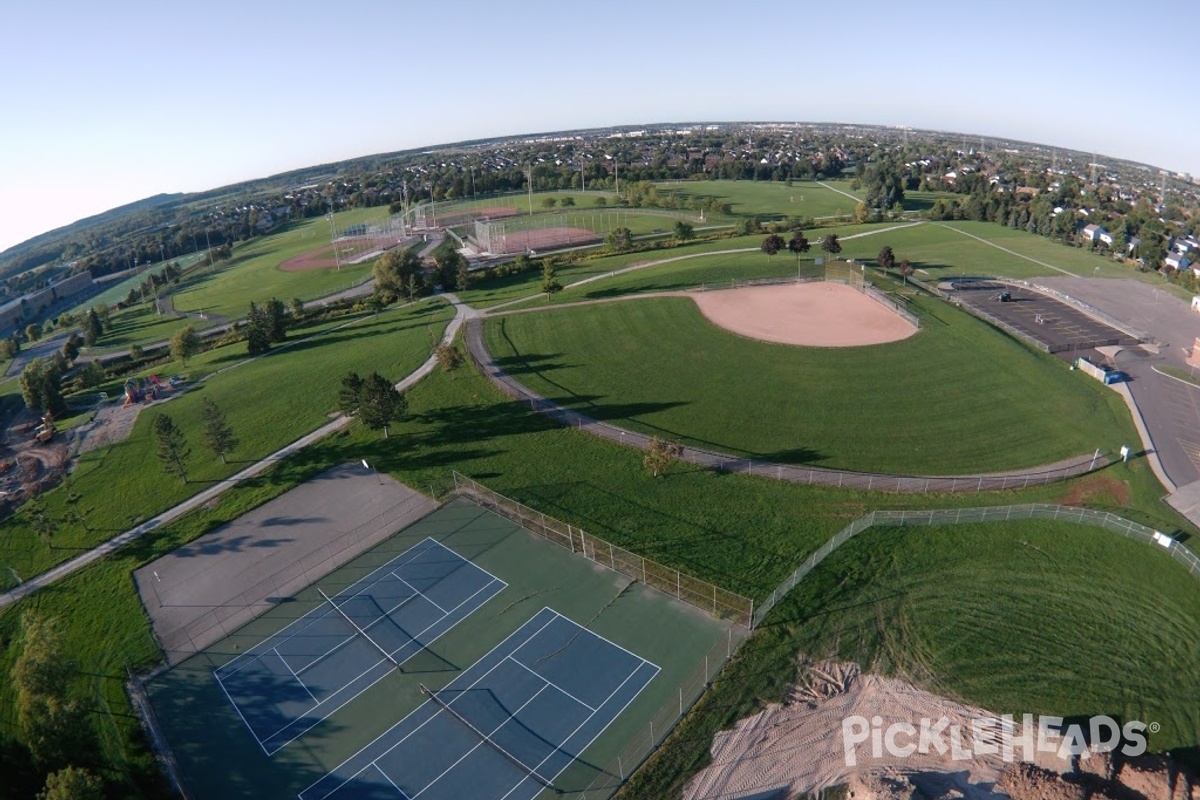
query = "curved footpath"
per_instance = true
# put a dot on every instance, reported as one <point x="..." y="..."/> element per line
<point x="462" y="312"/>
<point x="1016" y="479"/>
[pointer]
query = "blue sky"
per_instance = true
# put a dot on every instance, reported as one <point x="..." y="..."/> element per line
<point x="106" y="103"/>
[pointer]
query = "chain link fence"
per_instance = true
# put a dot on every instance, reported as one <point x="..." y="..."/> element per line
<point x="1103" y="519"/>
<point x="721" y="603"/>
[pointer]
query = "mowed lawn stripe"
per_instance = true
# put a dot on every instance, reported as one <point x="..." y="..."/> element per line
<point x="957" y="398"/>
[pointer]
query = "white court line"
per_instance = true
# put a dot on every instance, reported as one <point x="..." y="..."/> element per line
<point x="403" y="558"/>
<point x="550" y="683"/>
<point x="400" y="722"/>
<point x="423" y="646"/>
<point x="465" y="755"/>
<point x="387" y="778"/>
<point x="239" y="713"/>
<point x="598" y="636"/>
<point x="353" y="635"/>
<point x="572" y="759"/>
<point x="419" y="592"/>
<point x="279" y="655"/>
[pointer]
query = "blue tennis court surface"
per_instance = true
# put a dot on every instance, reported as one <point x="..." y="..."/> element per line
<point x="542" y="696"/>
<point x="291" y="681"/>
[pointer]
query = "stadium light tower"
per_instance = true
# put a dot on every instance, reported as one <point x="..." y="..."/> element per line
<point x="337" y="258"/>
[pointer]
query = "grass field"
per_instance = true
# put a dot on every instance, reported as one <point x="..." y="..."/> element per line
<point x="269" y="402"/>
<point x="252" y="274"/>
<point x="995" y="406"/>
<point x="743" y="533"/>
<point x="119" y="290"/>
<point x="771" y="200"/>
<point x="491" y="292"/>
<point x="141" y="326"/>
<point x="1035" y="617"/>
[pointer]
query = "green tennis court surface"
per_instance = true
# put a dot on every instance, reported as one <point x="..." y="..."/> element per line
<point x="461" y="657"/>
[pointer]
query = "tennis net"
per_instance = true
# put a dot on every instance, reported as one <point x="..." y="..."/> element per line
<point x="362" y="632"/>
<point x="530" y="771"/>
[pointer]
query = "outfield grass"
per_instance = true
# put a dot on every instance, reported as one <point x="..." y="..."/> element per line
<point x="253" y="274"/>
<point x="1036" y="617"/>
<point x="744" y="533"/>
<point x="943" y="250"/>
<point x="494" y="291"/>
<point x="957" y="398"/>
<point x="771" y="200"/>
<point x="269" y="402"/>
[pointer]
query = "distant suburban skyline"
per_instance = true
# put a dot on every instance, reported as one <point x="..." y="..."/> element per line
<point x="105" y="104"/>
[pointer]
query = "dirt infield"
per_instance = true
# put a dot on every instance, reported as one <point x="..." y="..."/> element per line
<point x="820" y="314"/>
<point x="545" y="238"/>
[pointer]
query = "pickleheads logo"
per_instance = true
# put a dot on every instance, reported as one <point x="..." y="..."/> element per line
<point x="994" y="736"/>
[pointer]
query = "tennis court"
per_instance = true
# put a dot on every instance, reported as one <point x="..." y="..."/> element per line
<point x="293" y="680"/>
<point x="506" y="727"/>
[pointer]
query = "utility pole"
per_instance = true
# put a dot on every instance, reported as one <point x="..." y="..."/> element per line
<point x="337" y="257"/>
<point x="529" y="185"/>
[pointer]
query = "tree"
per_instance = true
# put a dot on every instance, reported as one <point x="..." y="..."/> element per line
<point x="185" y="343"/>
<point x="375" y="302"/>
<point x="41" y="386"/>
<point x="349" y="394"/>
<point x="277" y="320"/>
<point x="10" y="347"/>
<point x="886" y="258"/>
<point x="905" y="270"/>
<point x="449" y="357"/>
<point x="71" y="346"/>
<point x="449" y="262"/>
<point x="398" y="269"/>
<point x="684" y="232"/>
<point x="772" y="245"/>
<point x="830" y="244"/>
<point x="136" y="353"/>
<point x="661" y="454"/>
<point x="600" y="202"/>
<point x="258" y="332"/>
<point x="92" y="375"/>
<point x="550" y="284"/>
<point x="93" y="329"/>
<point x="72" y="783"/>
<point x="33" y="331"/>
<point x="218" y="436"/>
<point x="798" y="244"/>
<point x="379" y="403"/>
<point x="296" y="307"/>
<point x="462" y="278"/>
<point x="549" y="202"/>
<point x="568" y="202"/>
<point x="170" y="446"/>
<point x="619" y="239"/>
<point x="51" y="721"/>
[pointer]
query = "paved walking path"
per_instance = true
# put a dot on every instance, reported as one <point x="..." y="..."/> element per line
<point x="462" y="312"/>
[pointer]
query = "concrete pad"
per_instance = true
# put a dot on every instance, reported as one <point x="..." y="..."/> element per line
<point x="1186" y="500"/>
<point x="201" y="592"/>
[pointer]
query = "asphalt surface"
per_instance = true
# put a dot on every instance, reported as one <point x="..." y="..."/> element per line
<point x="1169" y="408"/>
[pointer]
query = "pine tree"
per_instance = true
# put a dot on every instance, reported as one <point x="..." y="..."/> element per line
<point x="380" y="403"/>
<point x="171" y="446"/>
<point x="92" y="328"/>
<point x="258" y="333"/>
<point x="218" y="436"/>
<point x="350" y="394"/>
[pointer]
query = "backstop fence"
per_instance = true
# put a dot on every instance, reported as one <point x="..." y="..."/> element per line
<point x="846" y="272"/>
<point x="721" y="603"/>
<point x="1084" y="516"/>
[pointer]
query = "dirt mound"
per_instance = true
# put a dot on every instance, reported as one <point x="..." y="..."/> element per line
<point x="800" y="747"/>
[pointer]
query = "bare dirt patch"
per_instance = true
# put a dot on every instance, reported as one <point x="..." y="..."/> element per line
<point x="1098" y="489"/>
<point x="797" y="748"/>
<point x="819" y="314"/>
<point x="323" y="258"/>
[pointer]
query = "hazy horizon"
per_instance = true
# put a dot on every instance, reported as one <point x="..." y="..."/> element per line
<point x="119" y="104"/>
